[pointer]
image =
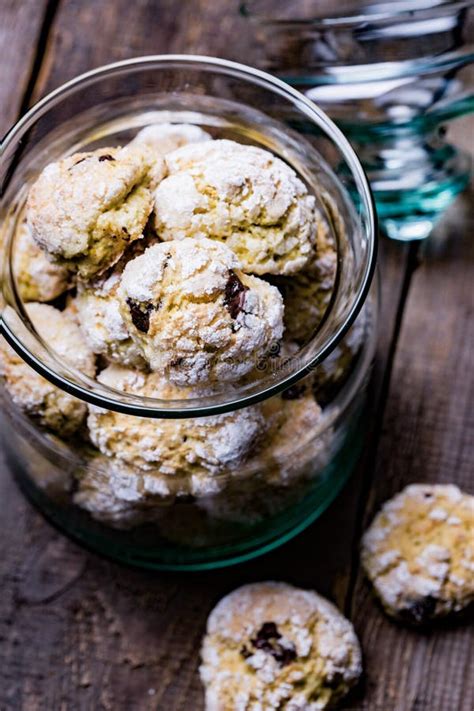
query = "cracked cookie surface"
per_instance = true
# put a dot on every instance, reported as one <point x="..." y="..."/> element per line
<point x="196" y="317"/>
<point x="85" y="209"/>
<point x="243" y="196"/>
<point x="37" y="276"/>
<point x="195" y="448"/>
<point x="419" y="552"/>
<point x="307" y="294"/>
<point x="273" y="646"/>
<point x="98" y="314"/>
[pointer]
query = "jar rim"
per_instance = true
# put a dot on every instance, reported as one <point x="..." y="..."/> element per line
<point x="332" y="415"/>
<point x="79" y="387"/>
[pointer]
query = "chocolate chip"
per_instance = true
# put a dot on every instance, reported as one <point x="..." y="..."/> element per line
<point x="234" y="297"/>
<point x="420" y="611"/>
<point x="294" y="392"/>
<point x="140" y="315"/>
<point x="77" y="162"/>
<point x="284" y="655"/>
<point x="266" y="640"/>
<point x="105" y="156"/>
<point x="245" y="652"/>
<point x="268" y="630"/>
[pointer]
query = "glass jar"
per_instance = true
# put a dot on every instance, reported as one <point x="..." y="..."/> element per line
<point x="392" y="75"/>
<point x="303" y="452"/>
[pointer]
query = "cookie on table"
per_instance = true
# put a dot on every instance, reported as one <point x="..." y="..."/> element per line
<point x="273" y="646"/>
<point x="419" y="552"/>
<point x="85" y="209"/>
<point x="241" y="195"/>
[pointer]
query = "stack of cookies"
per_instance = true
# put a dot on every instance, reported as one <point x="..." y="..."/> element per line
<point x="182" y="265"/>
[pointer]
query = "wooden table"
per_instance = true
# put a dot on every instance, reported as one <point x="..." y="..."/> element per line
<point x="80" y="633"/>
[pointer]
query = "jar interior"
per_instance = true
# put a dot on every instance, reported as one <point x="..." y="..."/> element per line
<point x="251" y="510"/>
<point x="110" y="114"/>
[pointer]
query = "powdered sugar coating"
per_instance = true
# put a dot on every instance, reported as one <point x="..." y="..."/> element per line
<point x="294" y="421"/>
<point x="273" y="646"/>
<point x="124" y="494"/>
<point x="194" y="449"/>
<point x="37" y="276"/>
<point x="196" y="317"/>
<point x="86" y="208"/>
<point x="279" y="470"/>
<point x="307" y="294"/>
<point x="419" y="552"/>
<point x="115" y="494"/>
<point x="163" y="138"/>
<point x="98" y="313"/>
<point x="52" y="407"/>
<point x="243" y="196"/>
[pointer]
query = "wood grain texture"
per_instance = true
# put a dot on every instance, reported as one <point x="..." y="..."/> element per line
<point x="428" y="436"/>
<point x="87" y="34"/>
<point x="80" y="633"/>
<point x="20" y="26"/>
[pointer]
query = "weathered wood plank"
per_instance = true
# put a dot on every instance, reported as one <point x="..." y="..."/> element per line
<point x="89" y="34"/>
<point x="20" y="28"/>
<point x="428" y="436"/>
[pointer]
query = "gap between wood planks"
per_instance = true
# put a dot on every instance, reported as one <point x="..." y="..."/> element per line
<point x="49" y="15"/>
<point x="412" y="262"/>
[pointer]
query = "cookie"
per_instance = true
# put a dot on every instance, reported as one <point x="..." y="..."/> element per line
<point x="98" y="313"/>
<point x="273" y="646"/>
<point x="87" y="208"/>
<point x="295" y="415"/>
<point x="330" y="375"/>
<point x="37" y="277"/>
<point x="307" y="294"/>
<point x="243" y="196"/>
<point x="163" y="138"/>
<point x="50" y="406"/>
<point x="114" y="494"/>
<point x="196" y="448"/>
<point x="281" y="470"/>
<point x="195" y="315"/>
<point x="419" y="552"/>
